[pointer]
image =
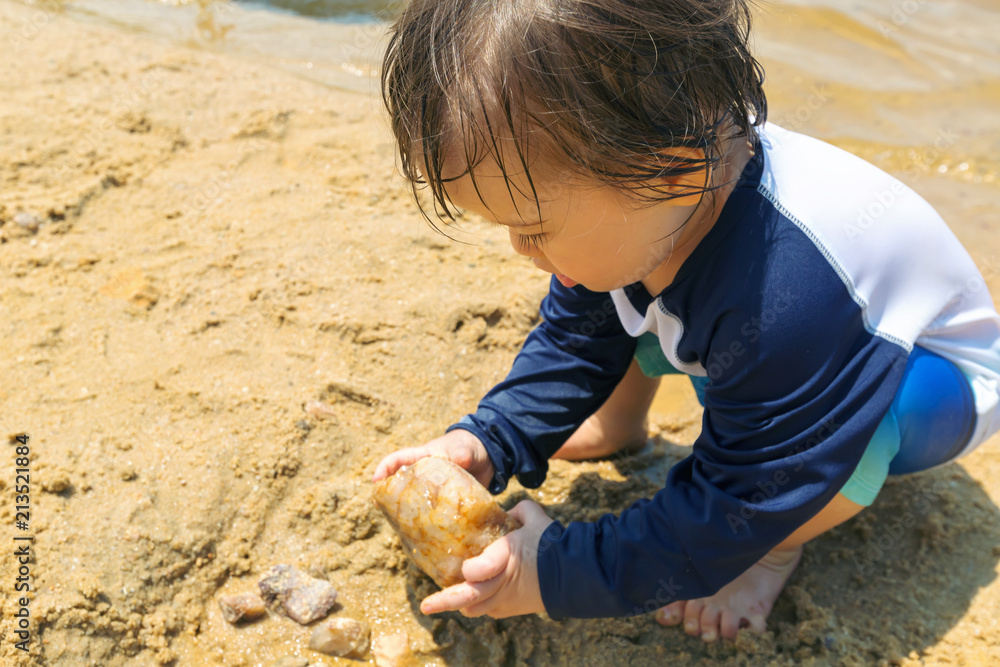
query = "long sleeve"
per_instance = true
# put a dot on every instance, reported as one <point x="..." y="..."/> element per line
<point x="802" y="319"/>
<point x="569" y="364"/>
<point x="788" y="414"/>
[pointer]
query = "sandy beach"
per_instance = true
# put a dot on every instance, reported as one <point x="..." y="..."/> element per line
<point x="195" y="243"/>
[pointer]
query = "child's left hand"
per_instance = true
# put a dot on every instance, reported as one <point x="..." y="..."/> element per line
<point x="503" y="580"/>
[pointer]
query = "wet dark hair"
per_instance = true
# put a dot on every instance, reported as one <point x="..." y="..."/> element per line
<point x="603" y="88"/>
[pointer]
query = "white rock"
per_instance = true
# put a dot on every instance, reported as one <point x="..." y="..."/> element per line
<point x="392" y="651"/>
<point x="341" y="637"/>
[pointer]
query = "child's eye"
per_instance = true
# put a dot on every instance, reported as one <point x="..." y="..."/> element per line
<point x="527" y="241"/>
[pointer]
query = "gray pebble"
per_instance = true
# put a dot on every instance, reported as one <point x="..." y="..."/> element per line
<point x="241" y="607"/>
<point x="297" y="595"/>
<point x="28" y="221"/>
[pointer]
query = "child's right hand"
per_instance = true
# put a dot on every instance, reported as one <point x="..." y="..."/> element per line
<point x="458" y="446"/>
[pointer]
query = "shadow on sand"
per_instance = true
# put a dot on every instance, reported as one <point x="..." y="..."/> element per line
<point x="890" y="582"/>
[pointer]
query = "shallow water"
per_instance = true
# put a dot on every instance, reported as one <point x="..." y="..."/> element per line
<point x="911" y="84"/>
<point x="337" y="9"/>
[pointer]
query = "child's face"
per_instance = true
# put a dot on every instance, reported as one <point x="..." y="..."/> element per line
<point x="590" y="234"/>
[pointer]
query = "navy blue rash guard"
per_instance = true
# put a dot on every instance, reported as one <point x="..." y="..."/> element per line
<point x="803" y="335"/>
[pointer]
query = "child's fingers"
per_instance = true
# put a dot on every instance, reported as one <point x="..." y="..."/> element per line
<point x="529" y="512"/>
<point x="487" y="606"/>
<point x="459" y="596"/>
<point x="485" y="599"/>
<point x="397" y="460"/>
<point x="492" y="562"/>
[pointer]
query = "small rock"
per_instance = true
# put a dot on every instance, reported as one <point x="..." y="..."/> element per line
<point x="320" y="410"/>
<point x="341" y="637"/>
<point x="290" y="661"/>
<point x="241" y="607"/>
<point x="88" y="586"/>
<point x="392" y="651"/>
<point x="297" y="595"/>
<point x="28" y="221"/>
<point x="55" y="481"/>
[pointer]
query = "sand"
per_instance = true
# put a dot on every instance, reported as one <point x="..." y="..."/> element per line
<point x="195" y="245"/>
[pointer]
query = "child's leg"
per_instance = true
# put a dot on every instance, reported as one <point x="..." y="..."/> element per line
<point x="620" y="422"/>
<point x="930" y="420"/>
<point x="747" y="600"/>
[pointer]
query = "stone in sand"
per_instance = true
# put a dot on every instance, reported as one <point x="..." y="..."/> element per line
<point x="297" y="595"/>
<point x="341" y="637"/>
<point x="241" y="607"/>
<point x="290" y="661"/>
<point x="442" y="515"/>
<point x="320" y="410"/>
<point x="393" y="651"/>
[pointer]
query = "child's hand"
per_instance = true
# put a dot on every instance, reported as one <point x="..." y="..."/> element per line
<point x="503" y="580"/>
<point x="458" y="446"/>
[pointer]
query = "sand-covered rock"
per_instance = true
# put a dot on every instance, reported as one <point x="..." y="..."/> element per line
<point x="393" y="651"/>
<point x="343" y="637"/>
<point x="241" y="607"/>
<point x="295" y="594"/>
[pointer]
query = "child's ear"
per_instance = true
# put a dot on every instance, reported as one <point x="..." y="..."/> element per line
<point x="687" y="188"/>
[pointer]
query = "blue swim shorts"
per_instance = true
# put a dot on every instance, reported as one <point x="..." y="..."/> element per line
<point x="929" y="423"/>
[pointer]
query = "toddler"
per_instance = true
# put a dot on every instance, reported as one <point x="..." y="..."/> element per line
<point x="833" y="327"/>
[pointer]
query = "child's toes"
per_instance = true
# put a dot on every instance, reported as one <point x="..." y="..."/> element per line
<point x="757" y="623"/>
<point x="692" y="617"/>
<point x="710" y="623"/>
<point x="672" y="614"/>
<point x="729" y="624"/>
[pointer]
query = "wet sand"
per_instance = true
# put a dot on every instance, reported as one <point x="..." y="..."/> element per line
<point x="197" y="243"/>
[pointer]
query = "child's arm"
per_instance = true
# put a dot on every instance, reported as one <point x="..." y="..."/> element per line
<point x="786" y="423"/>
<point x="567" y="368"/>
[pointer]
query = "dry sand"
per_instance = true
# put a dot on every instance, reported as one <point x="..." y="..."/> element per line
<point x="194" y="246"/>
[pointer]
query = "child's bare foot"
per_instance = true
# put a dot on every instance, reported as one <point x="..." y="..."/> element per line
<point x="620" y="422"/>
<point x="744" y="602"/>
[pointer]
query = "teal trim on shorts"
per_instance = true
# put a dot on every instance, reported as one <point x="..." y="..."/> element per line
<point x="652" y="361"/>
<point x="871" y="472"/>
<point x="873" y="468"/>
